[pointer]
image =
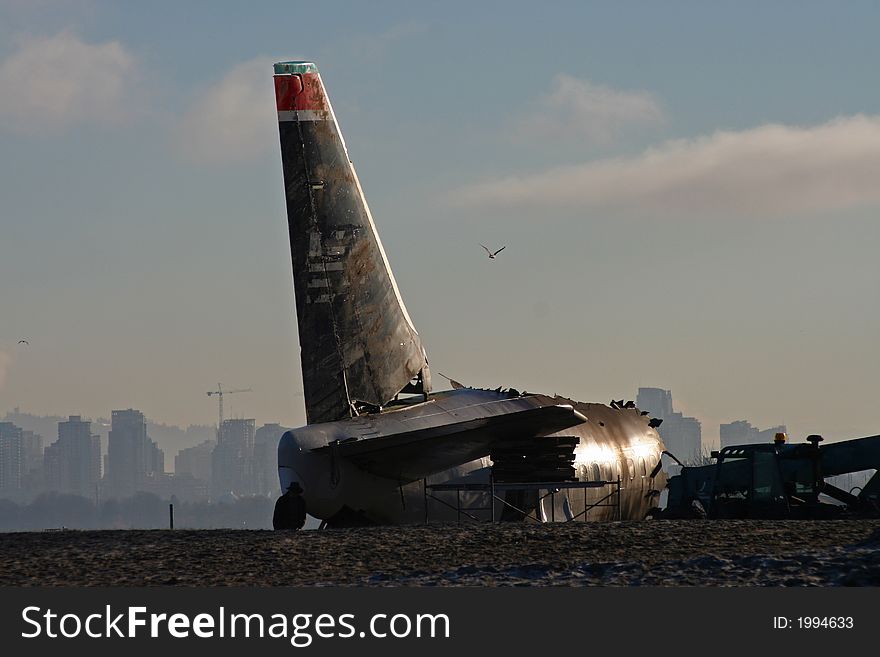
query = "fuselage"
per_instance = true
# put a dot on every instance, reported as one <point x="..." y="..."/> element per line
<point x="612" y="443"/>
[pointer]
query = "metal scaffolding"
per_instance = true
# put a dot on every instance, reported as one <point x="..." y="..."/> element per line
<point x="610" y="499"/>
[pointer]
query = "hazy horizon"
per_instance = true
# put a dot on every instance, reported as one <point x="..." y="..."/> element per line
<point x="687" y="194"/>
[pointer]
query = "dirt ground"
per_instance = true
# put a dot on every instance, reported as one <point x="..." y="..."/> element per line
<point x="661" y="552"/>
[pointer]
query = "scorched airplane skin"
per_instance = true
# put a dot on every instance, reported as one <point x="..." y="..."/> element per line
<point x="375" y="429"/>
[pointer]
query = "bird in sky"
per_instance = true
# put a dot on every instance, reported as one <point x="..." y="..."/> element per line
<point x="23" y="342"/>
<point x="492" y="255"/>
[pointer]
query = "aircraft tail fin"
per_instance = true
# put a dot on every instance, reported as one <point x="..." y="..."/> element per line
<point x="359" y="347"/>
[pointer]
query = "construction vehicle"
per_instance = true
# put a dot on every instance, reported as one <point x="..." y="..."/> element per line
<point x="778" y="480"/>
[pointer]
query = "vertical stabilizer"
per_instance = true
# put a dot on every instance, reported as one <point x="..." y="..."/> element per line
<point x="359" y="347"/>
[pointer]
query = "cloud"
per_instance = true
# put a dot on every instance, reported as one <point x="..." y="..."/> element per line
<point x="50" y="83"/>
<point x="580" y="110"/>
<point x="771" y="170"/>
<point x="376" y="46"/>
<point x="234" y="120"/>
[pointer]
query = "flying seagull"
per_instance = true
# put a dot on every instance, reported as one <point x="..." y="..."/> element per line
<point x="23" y="342"/>
<point x="492" y="255"/>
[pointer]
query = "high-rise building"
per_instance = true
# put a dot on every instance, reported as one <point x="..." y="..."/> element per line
<point x="266" y="440"/>
<point x="656" y="401"/>
<point x="681" y="435"/>
<point x="21" y="462"/>
<point x="10" y="459"/>
<point x="192" y="471"/>
<point x="31" y="452"/>
<point x="73" y="462"/>
<point x="232" y="459"/>
<point x="32" y="476"/>
<point x="741" y="432"/>
<point x="195" y="461"/>
<point x="132" y="458"/>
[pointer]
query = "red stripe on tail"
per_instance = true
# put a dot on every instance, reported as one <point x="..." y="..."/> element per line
<point x="299" y="92"/>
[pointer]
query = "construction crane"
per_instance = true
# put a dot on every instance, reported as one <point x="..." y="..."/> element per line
<point x="220" y="392"/>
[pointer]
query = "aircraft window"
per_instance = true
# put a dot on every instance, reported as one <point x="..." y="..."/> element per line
<point x="631" y="468"/>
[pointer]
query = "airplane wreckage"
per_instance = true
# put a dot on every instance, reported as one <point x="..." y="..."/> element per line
<point x="380" y="445"/>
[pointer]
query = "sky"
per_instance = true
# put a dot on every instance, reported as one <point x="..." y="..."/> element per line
<point x="687" y="192"/>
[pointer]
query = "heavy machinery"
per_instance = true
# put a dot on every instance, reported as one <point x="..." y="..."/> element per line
<point x="778" y="480"/>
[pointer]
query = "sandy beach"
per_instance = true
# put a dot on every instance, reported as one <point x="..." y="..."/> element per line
<point x="667" y="553"/>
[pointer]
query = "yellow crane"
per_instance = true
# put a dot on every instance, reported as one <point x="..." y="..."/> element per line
<point x="220" y="392"/>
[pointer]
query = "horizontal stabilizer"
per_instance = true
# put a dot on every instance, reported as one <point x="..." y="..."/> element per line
<point x="413" y="455"/>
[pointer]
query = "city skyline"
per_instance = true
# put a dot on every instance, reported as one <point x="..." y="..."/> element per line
<point x="240" y="461"/>
<point x="145" y="251"/>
